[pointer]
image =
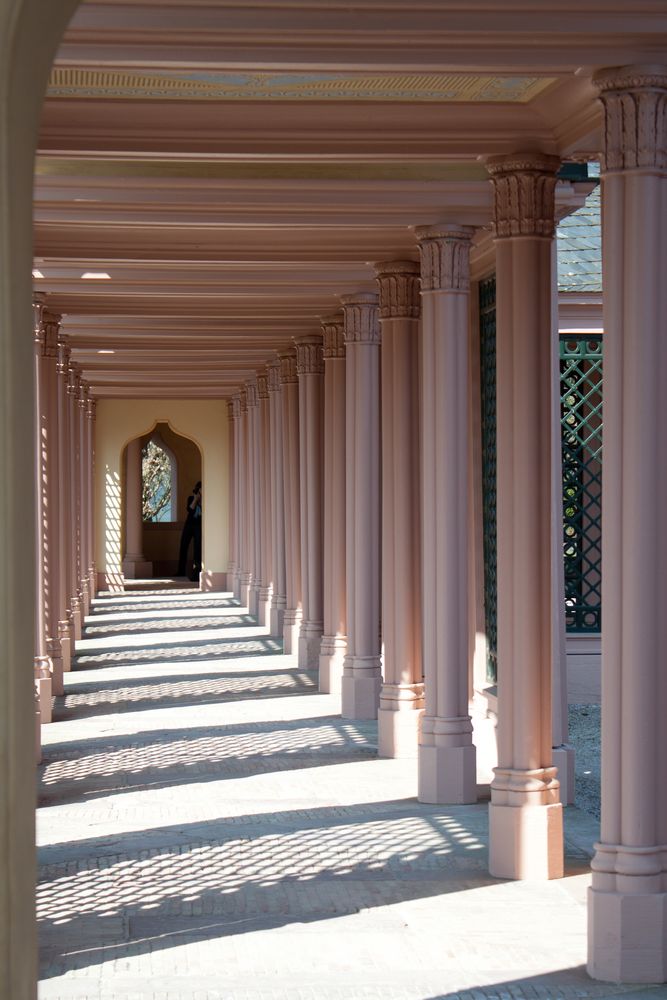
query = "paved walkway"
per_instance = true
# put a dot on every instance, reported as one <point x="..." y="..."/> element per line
<point x="210" y="829"/>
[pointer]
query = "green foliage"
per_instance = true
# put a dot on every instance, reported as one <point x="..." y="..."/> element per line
<point x="155" y="483"/>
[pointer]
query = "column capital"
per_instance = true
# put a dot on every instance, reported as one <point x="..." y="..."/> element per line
<point x="64" y="353"/>
<point x="230" y="409"/>
<point x="243" y="400"/>
<point x="73" y="379"/>
<point x="635" y="111"/>
<point x="333" y="335"/>
<point x="288" y="371"/>
<point x="82" y="399"/>
<point x="236" y="406"/>
<point x="46" y="325"/>
<point x="273" y="375"/>
<point x="309" y="359"/>
<point x="524" y="187"/>
<point x="398" y="281"/>
<point x="263" y="385"/>
<point x="91" y="407"/>
<point x="361" y="318"/>
<point x="445" y="257"/>
<point x="252" y="394"/>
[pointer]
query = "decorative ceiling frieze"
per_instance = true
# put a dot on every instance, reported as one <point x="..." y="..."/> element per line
<point x="173" y="85"/>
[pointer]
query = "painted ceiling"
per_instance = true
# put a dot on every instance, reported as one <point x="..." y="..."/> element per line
<point x="459" y="88"/>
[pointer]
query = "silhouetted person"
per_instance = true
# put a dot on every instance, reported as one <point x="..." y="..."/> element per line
<point x="191" y="532"/>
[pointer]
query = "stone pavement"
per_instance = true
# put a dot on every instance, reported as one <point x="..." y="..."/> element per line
<point x="211" y="829"/>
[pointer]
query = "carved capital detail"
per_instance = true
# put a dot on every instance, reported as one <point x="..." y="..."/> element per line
<point x="243" y="399"/>
<point x="361" y="318"/>
<point x="309" y="358"/>
<point x="524" y="186"/>
<point x="252" y="395"/>
<point x="46" y="325"/>
<point x="263" y="385"/>
<point x="445" y="257"/>
<point x="333" y="336"/>
<point x="236" y="406"/>
<point x="398" y="281"/>
<point x="635" y="117"/>
<point x="273" y="375"/>
<point x="82" y="398"/>
<point x="73" y="380"/>
<point x="64" y="353"/>
<point x="91" y="408"/>
<point x="288" y="372"/>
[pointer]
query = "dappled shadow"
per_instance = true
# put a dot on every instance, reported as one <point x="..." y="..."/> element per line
<point x="153" y="889"/>
<point x="81" y="772"/>
<point x="130" y="605"/>
<point x="102" y="629"/>
<point x="178" y="652"/>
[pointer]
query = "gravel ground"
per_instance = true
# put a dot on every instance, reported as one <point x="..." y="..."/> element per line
<point x="584" y="723"/>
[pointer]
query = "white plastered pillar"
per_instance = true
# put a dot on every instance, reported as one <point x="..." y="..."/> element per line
<point x="447" y="757"/>
<point x="292" y="497"/>
<point x="266" y="500"/>
<point x="525" y="815"/>
<point x="334" y="638"/>
<point x="628" y="897"/>
<point x="279" y="590"/>
<point x="362" y="671"/>
<point x="310" y="371"/>
<point x="402" y="692"/>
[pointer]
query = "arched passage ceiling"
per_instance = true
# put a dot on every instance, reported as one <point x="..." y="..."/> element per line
<point x="212" y="176"/>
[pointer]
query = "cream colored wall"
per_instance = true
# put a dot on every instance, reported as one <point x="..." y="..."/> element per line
<point x="120" y="421"/>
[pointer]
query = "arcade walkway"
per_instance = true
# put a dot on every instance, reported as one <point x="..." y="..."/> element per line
<point x="210" y="828"/>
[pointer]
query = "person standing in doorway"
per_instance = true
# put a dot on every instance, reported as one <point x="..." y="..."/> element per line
<point x="191" y="533"/>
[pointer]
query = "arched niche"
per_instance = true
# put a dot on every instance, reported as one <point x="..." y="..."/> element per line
<point x="201" y="422"/>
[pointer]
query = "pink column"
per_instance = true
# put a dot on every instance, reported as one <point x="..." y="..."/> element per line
<point x="310" y="370"/>
<point x="362" y="676"/>
<point x="279" y="591"/>
<point x="254" y="498"/>
<point x="447" y="758"/>
<point x="74" y="498"/>
<point x="628" y="897"/>
<point x="231" y="444"/>
<point x="525" y="815"/>
<point x="265" y="499"/>
<point x="245" y="575"/>
<point x="43" y="665"/>
<point x="334" y="639"/>
<point x="64" y="587"/>
<point x="290" y="399"/>
<point x="402" y="693"/>
<point x="237" y="479"/>
<point x="134" y="564"/>
<point x="91" y="408"/>
<point x="84" y="561"/>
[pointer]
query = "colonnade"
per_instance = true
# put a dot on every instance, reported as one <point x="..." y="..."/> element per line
<point x="351" y="508"/>
<point x="65" y="571"/>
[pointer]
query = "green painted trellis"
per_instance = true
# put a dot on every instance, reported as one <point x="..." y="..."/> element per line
<point x="581" y="422"/>
<point x="487" y="331"/>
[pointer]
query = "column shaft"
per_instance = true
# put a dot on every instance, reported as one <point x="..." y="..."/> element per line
<point x="43" y="665"/>
<point x="134" y="564"/>
<point x="362" y="674"/>
<point x="255" y="500"/>
<point x="310" y="369"/>
<point x="74" y="498"/>
<point x="65" y="619"/>
<point x="231" y="444"/>
<point x="525" y="815"/>
<point x="82" y="403"/>
<point x="279" y="589"/>
<point x="92" y="563"/>
<point x="245" y="577"/>
<point x="628" y="896"/>
<point x="401" y="696"/>
<point x="334" y="639"/>
<point x="290" y="396"/>
<point x="265" y="501"/>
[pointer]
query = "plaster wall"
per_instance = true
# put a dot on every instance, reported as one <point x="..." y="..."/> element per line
<point x="120" y="421"/>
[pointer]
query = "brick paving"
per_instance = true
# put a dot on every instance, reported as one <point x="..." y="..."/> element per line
<point x="210" y="829"/>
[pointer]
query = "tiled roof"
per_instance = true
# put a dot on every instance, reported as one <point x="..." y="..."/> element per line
<point x="580" y="248"/>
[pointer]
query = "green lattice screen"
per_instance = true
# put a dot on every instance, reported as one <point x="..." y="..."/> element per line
<point x="487" y="329"/>
<point x="581" y="422"/>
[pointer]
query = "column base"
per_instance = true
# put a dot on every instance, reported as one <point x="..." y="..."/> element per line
<point x="627" y="936"/>
<point x="563" y="759"/>
<point x="253" y="600"/>
<point x="399" y="719"/>
<point x="137" y="569"/>
<point x="92" y="580"/>
<point x="277" y="616"/>
<point x="213" y="582"/>
<point x="264" y="606"/>
<point x="236" y="586"/>
<point x="291" y="629"/>
<point x="244" y="589"/>
<point x="360" y="687"/>
<point x="310" y="641"/>
<point x="57" y="670"/>
<point x="525" y="825"/>
<point x="85" y="598"/>
<point x="332" y="660"/>
<point x="45" y="692"/>
<point x="66" y="652"/>
<point x="76" y="620"/>
<point x="447" y="775"/>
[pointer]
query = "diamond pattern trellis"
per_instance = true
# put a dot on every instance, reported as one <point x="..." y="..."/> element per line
<point x="581" y="423"/>
<point x="487" y="327"/>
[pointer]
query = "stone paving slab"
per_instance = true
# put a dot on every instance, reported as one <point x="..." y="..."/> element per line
<point x="225" y="834"/>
